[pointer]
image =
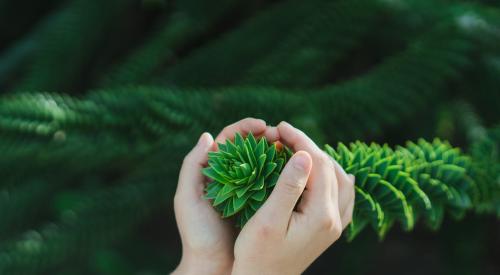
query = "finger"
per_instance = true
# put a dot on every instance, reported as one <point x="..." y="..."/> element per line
<point x="346" y="194"/>
<point x="322" y="176"/>
<point x="191" y="180"/>
<point x="278" y="209"/>
<point x="296" y="139"/>
<point x="345" y="187"/>
<point x="347" y="216"/>
<point x="244" y="127"/>
<point x="272" y="134"/>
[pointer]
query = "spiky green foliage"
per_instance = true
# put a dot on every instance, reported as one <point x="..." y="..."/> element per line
<point x="421" y="180"/>
<point x="76" y="26"/>
<point x="244" y="172"/>
<point x="385" y="71"/>
<point x="486" y="169"/>
<point x="191" y="19"/>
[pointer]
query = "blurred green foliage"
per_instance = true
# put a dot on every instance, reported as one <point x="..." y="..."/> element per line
<point x="101" y="99"/>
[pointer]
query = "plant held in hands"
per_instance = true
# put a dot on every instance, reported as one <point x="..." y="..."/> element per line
<point x="420" y="181"/>
<point x="244" y="174"/>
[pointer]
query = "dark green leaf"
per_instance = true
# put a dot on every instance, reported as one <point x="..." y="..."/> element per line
<point x="259" y="195"/>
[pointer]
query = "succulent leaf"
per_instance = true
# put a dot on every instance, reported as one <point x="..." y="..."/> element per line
<point x="243" y="174"/>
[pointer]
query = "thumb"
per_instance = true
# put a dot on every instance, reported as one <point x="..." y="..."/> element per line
<point x="190" y="177"/>
<point x="278" y="209"/>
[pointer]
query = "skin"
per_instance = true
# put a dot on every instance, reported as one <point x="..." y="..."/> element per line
<point x="278" y="239"/>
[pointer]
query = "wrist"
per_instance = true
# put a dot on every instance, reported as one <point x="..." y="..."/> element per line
<point x="199" y="264"/>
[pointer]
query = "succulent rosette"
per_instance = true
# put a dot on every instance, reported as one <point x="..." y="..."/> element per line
<point x="243" y="174"/>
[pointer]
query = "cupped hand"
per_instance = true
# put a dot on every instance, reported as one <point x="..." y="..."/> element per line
<point x="207" y="239"/>
<point x="283" y="237"/>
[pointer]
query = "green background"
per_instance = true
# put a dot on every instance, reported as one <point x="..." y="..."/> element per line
<point x="101" y="99"/>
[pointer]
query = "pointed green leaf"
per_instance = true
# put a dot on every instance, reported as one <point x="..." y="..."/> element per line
<point x="239" y="202"/>
<point x="246" y="169"/>
<point x="221" y="198"/>
<point x="261" y="146"/>
<point x="271" y="152"/>
<point x="259" y="195"/>
<point x="253" y="176"/>
<point x="229" y="210"/>
<point x="228" y="189"/>
<point x="231" y="148"/>
<point x="269" y="168"/>
<point x="212" y="190"/>
<point x="371" y="182"/>
<point x="259" y="184"/>
<point x="260" y="164"/>
<point x="251" y="140"/>
<point x="209" y="172"/>
<point x="279" y="164"/>
<point x="255" y="205"/>
<point x="245" y="189"/>
<point x="238" y="141"/>
<point x="272" y="179"/>
<point x="250" y="156"/>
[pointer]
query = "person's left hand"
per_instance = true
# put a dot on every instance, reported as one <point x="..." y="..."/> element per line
<point x="207" y="239"/>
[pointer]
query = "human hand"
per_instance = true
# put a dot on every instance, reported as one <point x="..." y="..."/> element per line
<point x="281" y="240"/>
<point x="207" y="239"/>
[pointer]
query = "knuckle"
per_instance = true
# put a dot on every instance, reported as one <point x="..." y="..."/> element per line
<point x="254" y="124"/>
<point x="324" y="160"/>
<point x="281" y="124"/>
<point x="265" y="231"/>
<point x="337" y="230"/>
<point x="332" y="225"/>
<point x="300" y="133"/>
<point x="227" y="129"/>
<point x="327" y="222"/>
<point x="262" y="227"/>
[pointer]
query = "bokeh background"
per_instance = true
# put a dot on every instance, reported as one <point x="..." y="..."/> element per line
<point x="101" y="99"/>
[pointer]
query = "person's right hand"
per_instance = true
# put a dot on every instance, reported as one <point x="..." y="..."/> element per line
<point x="207" y="240"/>
<point x="281" y="240"/>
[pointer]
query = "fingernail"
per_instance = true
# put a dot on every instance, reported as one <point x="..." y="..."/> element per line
<point x="283" y="123"/>
<point x="202" y="140"/>
<point x="300" y="161"/>
<point x="352" y="177"/>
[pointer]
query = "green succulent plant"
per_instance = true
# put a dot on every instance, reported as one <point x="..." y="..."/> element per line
<point x="244" y="173"/>
<point x="420" y="181"/>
